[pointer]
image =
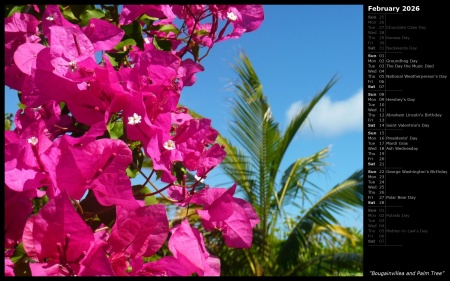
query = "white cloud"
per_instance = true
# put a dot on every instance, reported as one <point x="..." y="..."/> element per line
<point x="332" y="118"/>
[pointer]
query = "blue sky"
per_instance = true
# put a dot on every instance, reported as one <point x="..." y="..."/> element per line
<point x="295" y="52"/>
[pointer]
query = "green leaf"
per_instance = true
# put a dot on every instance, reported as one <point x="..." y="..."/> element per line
<point x="195" y="48"/>
<point x="112" y="60"/>
<point x="20" y="260"/>
<point x="125" y="42"/>
<point x="62" y="105"/>
<point x="131" y="173"/>
<point x="115" y="129"/>
<point x="138" y="159"/>
<point x="21" y="105"/>
<point x="139" y="191"/>
<point x="150" y="200"/>
<point x="162" y="44"/>
<point x="147" y="20"/>
<point x="15" y="9"/>
<point x="106" y="214"/>
<point x="87" y="15"/>
<point x="38" y="203"/>
<point x="158" y="174"/>
<point x="179" y="171"/>
<point x="202" y="32"/>
<point x="8" y="121"/>
<point x="147" y="163"/>
<point x="164" y="28"/>
<point x="68" y="15"/>
<point x="169" y="28"/>
<point x="7" y="125"/>
<point x="134" y="30"/>
<point x="77" y="10"/>
<point x="19" y="253"/>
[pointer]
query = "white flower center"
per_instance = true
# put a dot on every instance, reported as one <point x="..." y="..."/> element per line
<point x="135" y="119"/>
<point x="169" y="145"/>
<point x="33" y="140"/>
<point x="231" y="16"/>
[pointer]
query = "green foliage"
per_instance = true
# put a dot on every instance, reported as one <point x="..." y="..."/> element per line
<point x="310" y="243"/>
<point x="8" y="121"/>
<point x="87" y="15"/>
<point x="11" y="9"/>
<point x="134" y="31"/>
<point x="69" y="15"/>
<point x="115" y="129"/>
<point x="20" y="260"/>
<point x="162" y="44"/>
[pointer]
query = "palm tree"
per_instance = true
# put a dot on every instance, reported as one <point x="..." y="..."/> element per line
<point x="311" y="242"/>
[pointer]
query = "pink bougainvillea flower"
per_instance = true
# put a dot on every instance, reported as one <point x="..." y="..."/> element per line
<point x="50" y="112"/>
<point x="57" y="238"/>
<point x="204" y="34"/>
<point x="244" y="18"/>
<point x="96" y="263"/>
<point x="237" y="227"/>
<point x="98" y="165"/>
<point x="99" y="97"/>
<point x="19" y="28"/>
<point x="119" y="262"/>
<point x="138" y="126"/>
<point x="210" y="159"/>
<point x="109" y="181"/>
<point x="112" y="81"/>
<point x="91" y="105"/>
<point x="189" y="144"/>
<point x="77" y="164"/>
<point x="188" y="11"/>
<point x="180" y="115"/>
<point x="102" y="34"/>
<point x="153" y="135"/>
<point x="179" y="193"/>
<point x="52" y="16"/>
<point x="187" y="71"/>
<point x="187" y="246"/>
<point x="14" y="77"/>
<point x="154" y="67"/>
<point x="140" y="232"/>
<point x="51" y="158"/>
<point x="69" y="47"/>
<point x="24" y="170"/>
<point x="21" y="23"/>
<point x="166" y="266"/>
<point x="131" y="12"/>
<point x="9" y="267"/>
<point x="143" y="93"/>
<point x="162" y="148"/>
<point x="193" y="138"/>
<point x="19" y="208"/>
<point x="25" y="56"/>
<point x="43" y="85"/>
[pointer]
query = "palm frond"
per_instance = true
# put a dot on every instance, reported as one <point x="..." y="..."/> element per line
<point x="295" y="176"/>
<point x="257" y="132"/>
<point x="347" y="194"/>
<point x="296" y="123"/>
